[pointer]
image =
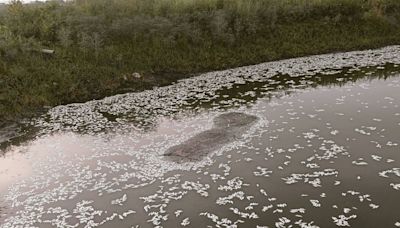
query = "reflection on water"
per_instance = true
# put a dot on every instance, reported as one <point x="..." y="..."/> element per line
<point x="13" y="166"/>
<point x="323" y="153"/>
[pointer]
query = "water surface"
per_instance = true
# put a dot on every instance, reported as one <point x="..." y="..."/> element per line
<point x="324" y="152"/>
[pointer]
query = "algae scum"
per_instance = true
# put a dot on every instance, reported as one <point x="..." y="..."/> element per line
<point x="305" y="142"/>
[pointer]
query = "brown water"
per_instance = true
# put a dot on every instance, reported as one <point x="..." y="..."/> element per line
<point x="323" y="153"/>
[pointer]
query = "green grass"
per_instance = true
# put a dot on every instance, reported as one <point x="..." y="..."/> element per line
<point x="99" y="42"/>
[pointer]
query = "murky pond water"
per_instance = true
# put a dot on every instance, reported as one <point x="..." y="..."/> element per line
<point x="307" y="142"/>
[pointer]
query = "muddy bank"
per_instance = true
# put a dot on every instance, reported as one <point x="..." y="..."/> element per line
<point x="227" y="128"/>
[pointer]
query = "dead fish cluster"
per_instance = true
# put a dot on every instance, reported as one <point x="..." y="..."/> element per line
<point x="298" y="159"/>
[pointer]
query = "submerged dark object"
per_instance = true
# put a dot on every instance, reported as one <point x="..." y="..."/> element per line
<point x="227" y="128"/>
<point x="234" y="120"/>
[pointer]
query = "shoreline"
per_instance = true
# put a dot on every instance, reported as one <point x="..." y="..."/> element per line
<point x="325" y="67"/>
<point x="82" y="50"/>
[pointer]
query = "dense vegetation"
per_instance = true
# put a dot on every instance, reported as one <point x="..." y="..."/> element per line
<point x="99" y="44"/>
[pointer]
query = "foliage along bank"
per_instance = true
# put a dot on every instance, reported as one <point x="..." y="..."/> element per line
<point x="100" y="44"/>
